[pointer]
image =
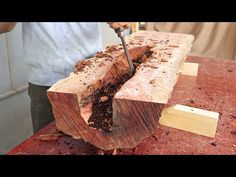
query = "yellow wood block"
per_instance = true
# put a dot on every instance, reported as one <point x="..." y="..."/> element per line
<point x="190" y="69"/>
<point x="190" y="119"/>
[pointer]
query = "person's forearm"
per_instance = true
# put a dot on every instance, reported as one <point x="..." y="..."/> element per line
<point x="6" y="26"/>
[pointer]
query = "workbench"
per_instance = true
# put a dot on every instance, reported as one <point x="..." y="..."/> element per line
<point x="214" y="89"/>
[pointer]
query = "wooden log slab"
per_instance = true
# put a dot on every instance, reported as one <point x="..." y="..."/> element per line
<point x="102" y="104"/>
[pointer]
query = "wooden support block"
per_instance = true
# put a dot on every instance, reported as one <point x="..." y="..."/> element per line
<point x="190" y="69"/>
<point x="135" y="27"/>
<point x="190" y="119"/>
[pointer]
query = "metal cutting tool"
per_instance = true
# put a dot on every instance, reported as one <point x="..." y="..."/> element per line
<point x="120" y="34"/>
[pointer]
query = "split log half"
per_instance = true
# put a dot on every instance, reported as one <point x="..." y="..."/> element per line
<point x="102" y="104"/>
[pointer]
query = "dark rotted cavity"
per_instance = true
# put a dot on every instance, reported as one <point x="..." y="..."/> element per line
<point x="102" y="111"/>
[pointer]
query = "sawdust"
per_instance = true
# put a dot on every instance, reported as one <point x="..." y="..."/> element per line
<point x="54" y="135"/>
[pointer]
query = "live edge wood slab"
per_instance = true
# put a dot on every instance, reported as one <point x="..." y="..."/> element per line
<point x="137" y="102"/>
<point x="214" y="89"/>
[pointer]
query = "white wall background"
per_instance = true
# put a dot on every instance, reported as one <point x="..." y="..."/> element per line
<point x="109" y="37"/>
<point x="15" y="121"/>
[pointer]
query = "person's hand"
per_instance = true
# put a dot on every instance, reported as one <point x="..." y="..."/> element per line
<point x="6" y="26"/>
<point x="116" y="25"/>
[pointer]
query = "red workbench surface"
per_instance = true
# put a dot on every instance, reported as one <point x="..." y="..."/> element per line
<point x="213" y="89"/>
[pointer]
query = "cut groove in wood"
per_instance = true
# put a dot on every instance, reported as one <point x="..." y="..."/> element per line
<point x="190" y="119"/>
